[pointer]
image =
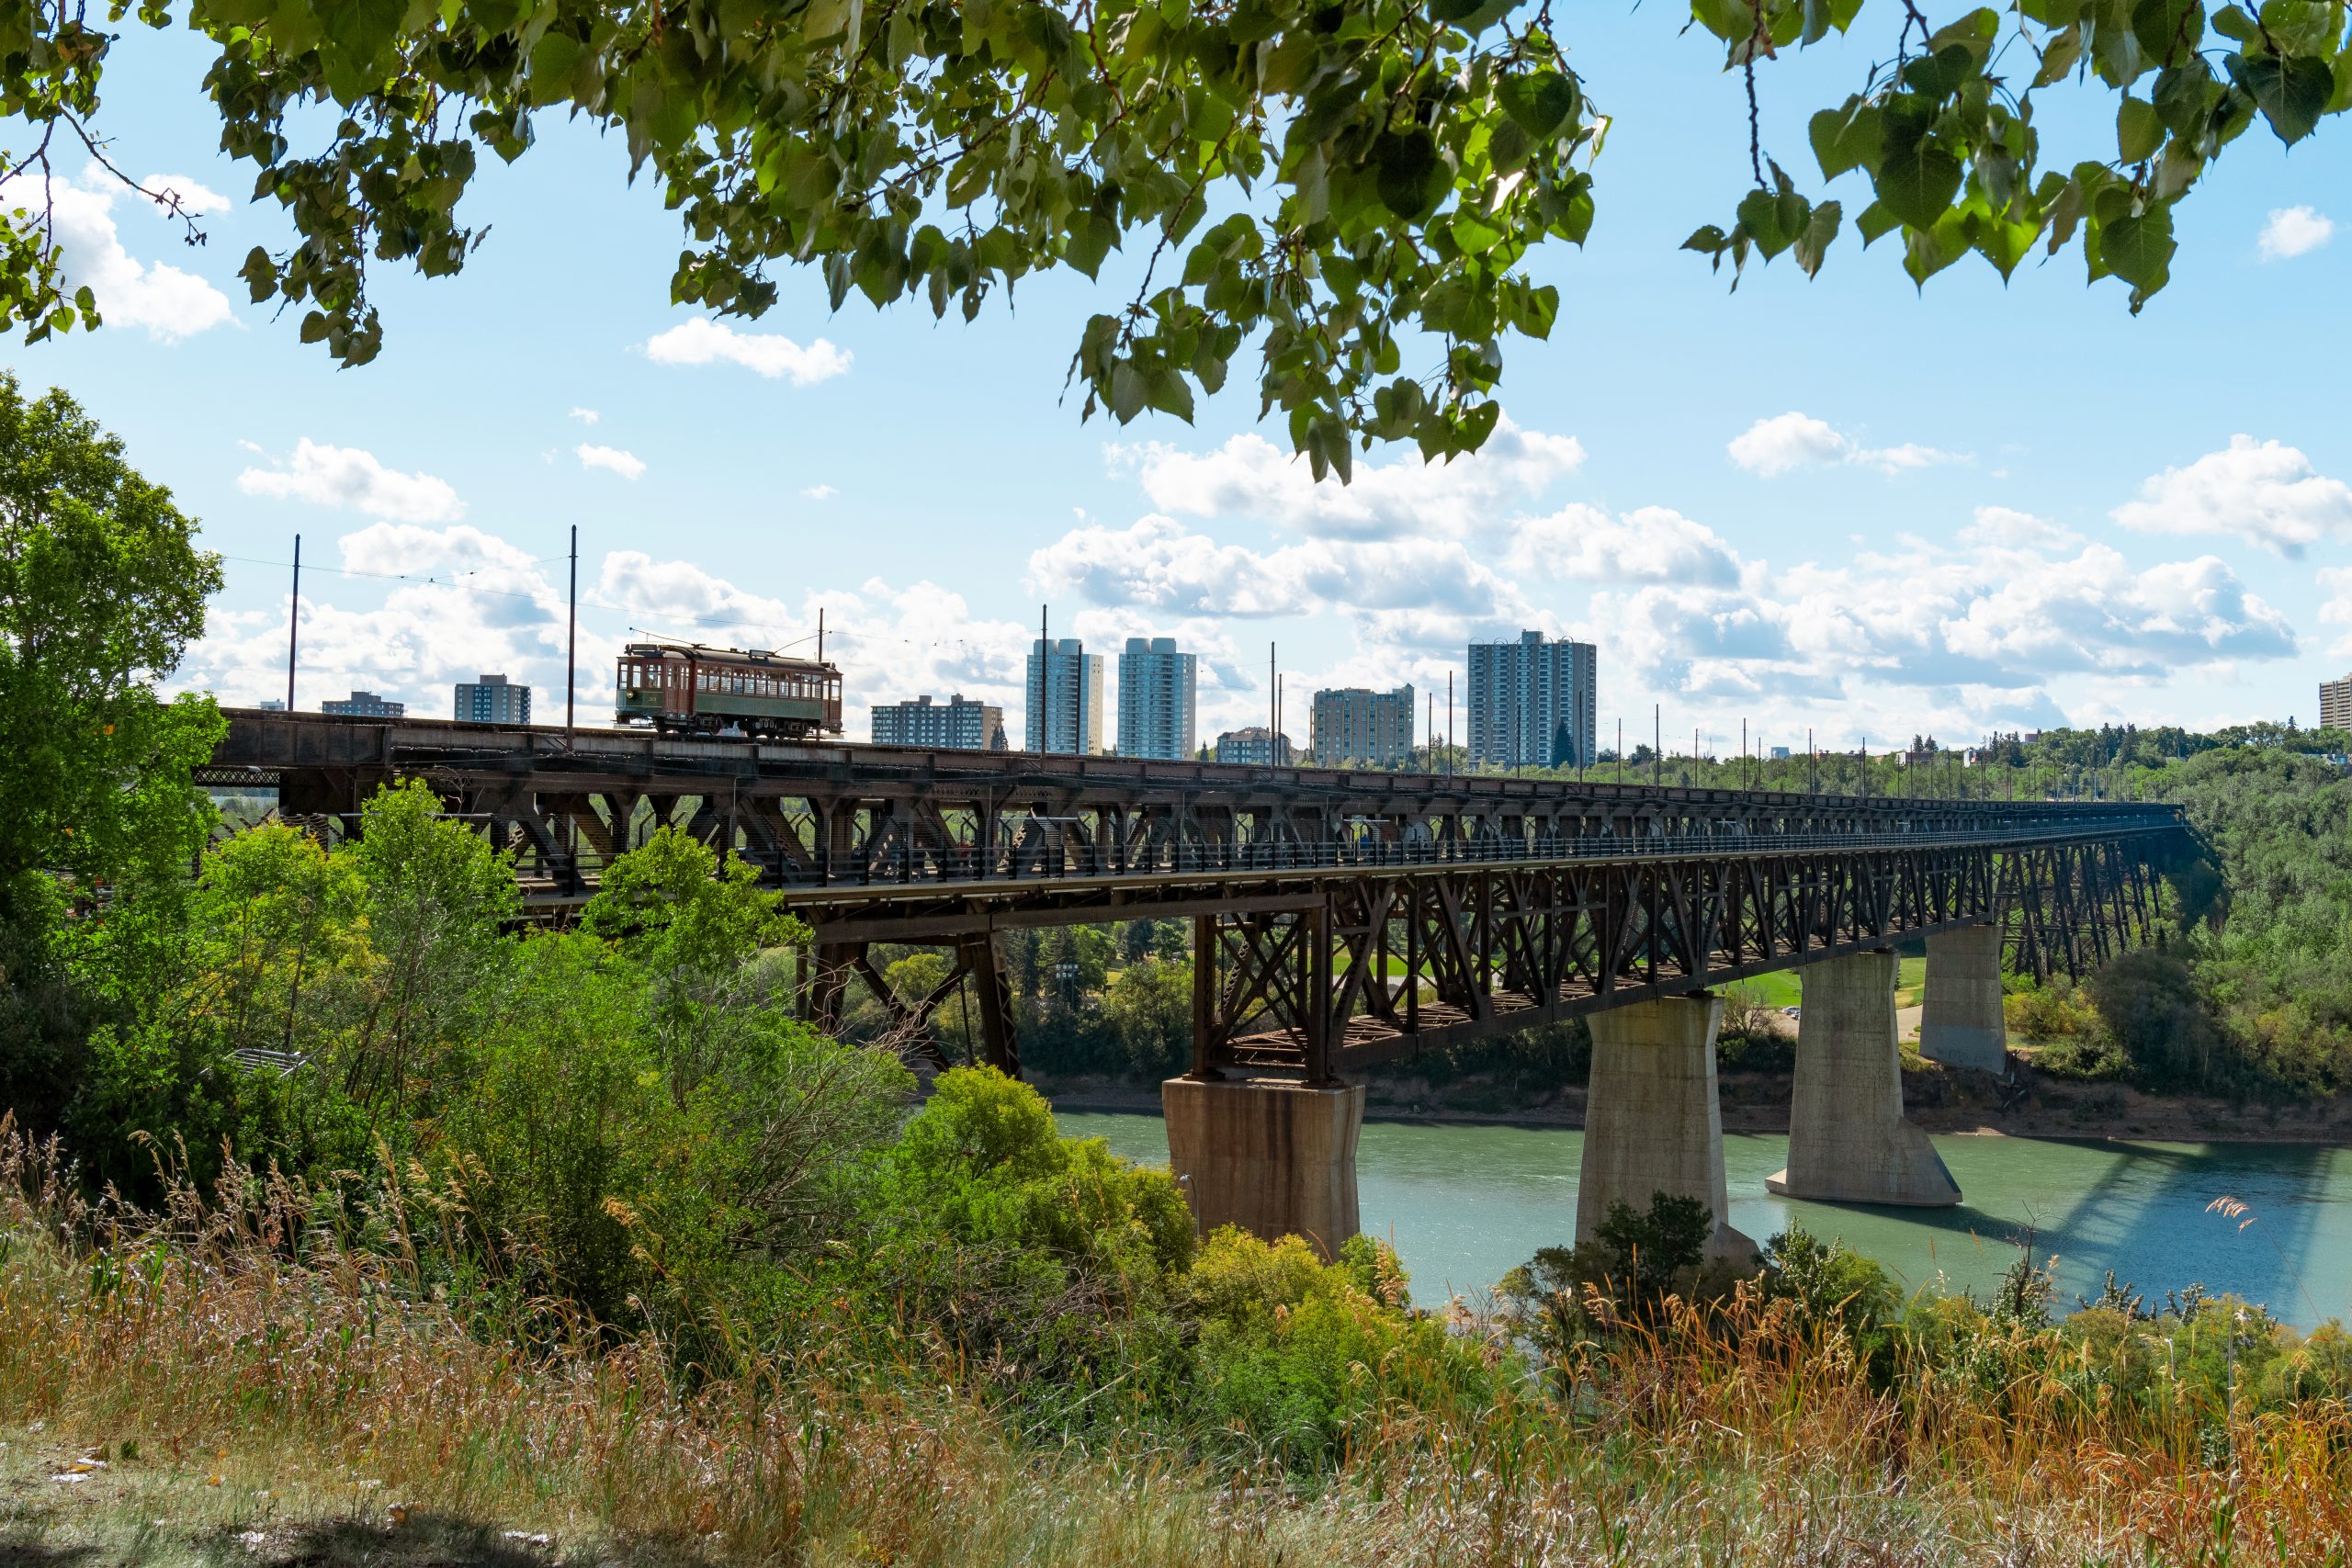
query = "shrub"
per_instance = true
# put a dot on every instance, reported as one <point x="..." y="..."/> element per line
<point x="1295" y="1355"/>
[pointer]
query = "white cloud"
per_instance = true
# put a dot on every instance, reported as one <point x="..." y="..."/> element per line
<point x="2260" y="491"/>
<point x="1793" y="440"/>
<point x="586" y="416"/>
<point x="628" y="465"/>
<point x="1250" y="476"/>
<point x="1157" y="563"/>
<point x="1651" y="544"/>
<point x="2337" y="582"/>
<point x="404" y="549"/>
<point x="819" y="492"/>
<point x="705" y="342"/>
<point x="169" y="302"/>
<point x="349" y="476"/>
<point x="1784" y="441"/>
<point x="2294" y="231"/>
<point x="196" y="200"/>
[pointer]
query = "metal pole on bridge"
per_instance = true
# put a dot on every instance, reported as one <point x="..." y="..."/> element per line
<point x="293" y="622"/>
<point x="571" y="647"/>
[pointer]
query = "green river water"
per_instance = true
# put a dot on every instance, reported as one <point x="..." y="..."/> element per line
<point x="1463" y="1203"/>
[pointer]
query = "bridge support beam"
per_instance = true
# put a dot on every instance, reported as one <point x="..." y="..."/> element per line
<point x="1273" y="1156"/>
<point x="1652" y="1122"/>
<point x="1848" y="1140"/>
<point x="1960" y="1023"/>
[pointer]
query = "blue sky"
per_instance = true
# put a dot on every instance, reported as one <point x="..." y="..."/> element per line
<point x="1842" y="505"/>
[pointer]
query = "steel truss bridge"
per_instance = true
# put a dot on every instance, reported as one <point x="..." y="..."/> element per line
<point x="1339" y="917"/>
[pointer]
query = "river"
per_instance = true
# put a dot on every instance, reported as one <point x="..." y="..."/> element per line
<point x="1462" y="1203"/>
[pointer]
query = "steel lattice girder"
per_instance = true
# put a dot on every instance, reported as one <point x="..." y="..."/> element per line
<point x="1489" y="951"/>
<point x="1588" y="895"/>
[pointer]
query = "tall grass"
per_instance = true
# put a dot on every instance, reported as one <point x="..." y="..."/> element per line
<point x="245" y="1325"/>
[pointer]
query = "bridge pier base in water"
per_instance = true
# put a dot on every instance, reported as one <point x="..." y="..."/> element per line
<point x="1960" y="1020"/>
<point x="1848" y="1140"/>
<point x="1652" y="1122"/>
<point x="1273" y="1156"/>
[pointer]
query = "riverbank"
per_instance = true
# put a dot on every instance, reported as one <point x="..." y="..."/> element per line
<point x="1937" y="1099"/>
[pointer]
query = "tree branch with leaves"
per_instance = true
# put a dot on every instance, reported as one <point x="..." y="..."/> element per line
<point x="1355" y="186"/>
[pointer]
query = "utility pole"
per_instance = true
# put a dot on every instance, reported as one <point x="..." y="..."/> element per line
<point x="571" y="643"/>
<point x="1273" y="712"/>
<point x="1657" y="742"/>
<point x="1044" y="684"/>
<point x="1621" y="750"/>
<point x="293" y="623"/>
<point x="1449" y="723"/>
<point x="1742" y="753"/>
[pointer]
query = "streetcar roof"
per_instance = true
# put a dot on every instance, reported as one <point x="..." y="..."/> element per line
<point x="766" y="659"/>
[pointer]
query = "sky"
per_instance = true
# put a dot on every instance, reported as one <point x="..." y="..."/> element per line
<point x="1842" y="507"/>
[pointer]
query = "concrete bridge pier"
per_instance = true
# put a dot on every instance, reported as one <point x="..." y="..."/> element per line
<point x="1274" y="1156"/>
<point x="1652" y="1122"/>
<point x="1959" y="1021"/>
<point x="1848" y="1140"/>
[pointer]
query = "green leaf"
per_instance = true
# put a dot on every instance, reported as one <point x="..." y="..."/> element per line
<point x="1411" y="177"/>
<point x="1471" y="15"/>
<point x="1774" y="220"/>
<point x="2234" y="22"/>
<point x="1874" y="222"/>
<point x="1939" y="74"/>
<point x="1848" y="137"/>
<point x="1475" y="233"/>
<point x="1916" y="183"/>
<point x="2139" y="130"/>
<point x="2292" y="91"/>
<point x="2168" y="30"/>
<point x="1813" y="245"/>
<point x="2183" y="95"/>
<point x="2138" y="249"/>
<point x="2059" y="56"/>
<point x="1540" y="103"/>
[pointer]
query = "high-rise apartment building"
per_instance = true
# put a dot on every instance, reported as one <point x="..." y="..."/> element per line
<point x="1532" y="702"/>
<point x="958" y="724"/>
<point x="1351" y="724"/>
<point x="1065" y="698"/>
<point x="364" y="704"/>
<point x="1155" y="686"/>
<point x="494" y="699"/>
<point x="2335" y="703"/>
<point x="1256" y="745"/>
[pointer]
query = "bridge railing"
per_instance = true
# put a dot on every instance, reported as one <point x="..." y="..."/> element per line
<point x="1070" y="856"/>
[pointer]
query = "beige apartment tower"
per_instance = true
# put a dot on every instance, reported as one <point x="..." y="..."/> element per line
<point x="2335" y="703"/>
<point x="1373" y="729"/>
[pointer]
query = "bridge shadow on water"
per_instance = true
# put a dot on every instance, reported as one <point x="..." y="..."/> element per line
<point x="2144" y="1214"/>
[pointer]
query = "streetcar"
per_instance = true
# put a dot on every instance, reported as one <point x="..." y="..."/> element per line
<point x="690" y="689"/>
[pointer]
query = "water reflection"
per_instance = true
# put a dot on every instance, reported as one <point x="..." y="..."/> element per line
<point x="1463" y="1203"/>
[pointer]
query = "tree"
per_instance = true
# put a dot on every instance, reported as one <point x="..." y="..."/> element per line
<point x="1379" y="169"/>
<point x="101" y="589"/>
<point x="1150" y="1009"/>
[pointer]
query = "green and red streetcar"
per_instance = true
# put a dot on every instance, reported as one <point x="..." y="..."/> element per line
<point x="690" y="689"/>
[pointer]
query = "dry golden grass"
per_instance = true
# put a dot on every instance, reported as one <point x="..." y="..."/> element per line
<point x="259" y="1403"/>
